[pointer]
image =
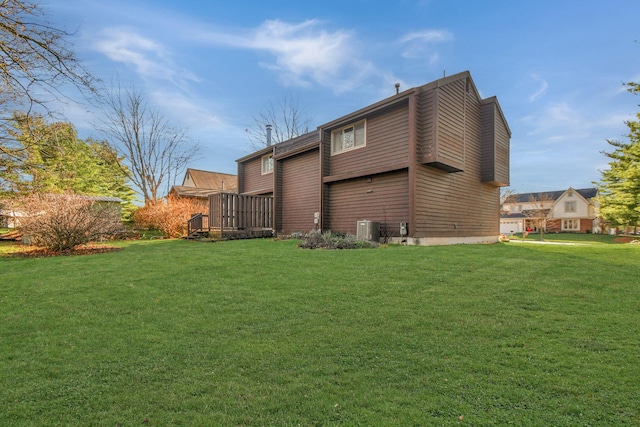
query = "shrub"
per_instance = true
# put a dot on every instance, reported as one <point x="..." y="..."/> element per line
<point x="169" y="216"/>
<point x="61" y="222"/>
<point x="317" y="239"/>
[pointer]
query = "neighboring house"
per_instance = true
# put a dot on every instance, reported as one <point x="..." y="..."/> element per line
<point x="425" y="164"/>
<point x="568" y="210"/>
<point x="199" y="184"/>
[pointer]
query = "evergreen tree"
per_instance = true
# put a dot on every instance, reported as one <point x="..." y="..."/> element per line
<point x="56" y="161"/>
<point x="619" y="188"/>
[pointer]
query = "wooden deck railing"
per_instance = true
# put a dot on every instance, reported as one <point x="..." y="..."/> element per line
<point x="198" y="222"/>
<point x="240" y="212"/>
<point x="235" y="214"/>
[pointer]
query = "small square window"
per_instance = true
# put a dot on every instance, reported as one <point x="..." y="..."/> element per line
<point x="267" y="164"/>
<point x="570" y="207"/>
<point x="348" y="138"/>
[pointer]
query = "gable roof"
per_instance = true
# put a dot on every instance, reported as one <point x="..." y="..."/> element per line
<point x="311" y="139"/>
<point x="202" y="183"/>
<point x="261" y="152"/>
<point x="182" y="191"/>
<point x="210" y="180"/>
<point x="587" y="193"/>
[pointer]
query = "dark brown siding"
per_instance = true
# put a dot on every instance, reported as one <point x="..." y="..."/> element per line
<point x="387" y="143"/>
<point x="325" y="168"/>
<point x="425" y="123"/>
<point x="241" y="179"/>
<point x="299" y="195"/>
<point x="252" y="179"/>
<point x="446" y="148"/>
<point x="457" y="204"/>
<point x="495" y="143"/>
<point x="385" y="199"/>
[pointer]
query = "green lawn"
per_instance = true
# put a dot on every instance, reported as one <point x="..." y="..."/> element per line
<point x="262" y="333"/>
<point x="591" y="239"/>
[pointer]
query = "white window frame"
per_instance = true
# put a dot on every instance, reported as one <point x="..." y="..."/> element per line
<point x="267" y="164"/>
<point x="338" y="135"/>
<point x="571" y="206"/>
<point x="570" y="225"/>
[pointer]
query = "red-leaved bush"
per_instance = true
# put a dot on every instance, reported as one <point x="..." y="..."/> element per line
<point x="169" y="215"/>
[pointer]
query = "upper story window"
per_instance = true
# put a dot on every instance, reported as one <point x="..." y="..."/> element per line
<point x="267" y="164"/>
<point x="570" y="207"/>
<point x="349" y="137"/>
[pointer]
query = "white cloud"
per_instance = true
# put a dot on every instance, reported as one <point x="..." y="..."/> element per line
<point x="148" y="57"/>
<point x="542" y="89"/>
<point x="303" y="52"/>
<point x="428" y="36"/>
<point x="192" y="112"/>
<point x="302" y="48"/>
<point x="558" y="122"/>
<point x="420" y="44"/>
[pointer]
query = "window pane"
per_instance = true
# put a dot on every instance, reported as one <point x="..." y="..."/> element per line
<point x="570" y="206"/>
<point x="267" y="164"/>
<point x="359" y="138"/>
<point x="348" y="140"/>
<point x="337" y="142"/>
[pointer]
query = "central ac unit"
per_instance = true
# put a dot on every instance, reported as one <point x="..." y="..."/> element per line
<point x="368" y="230"/>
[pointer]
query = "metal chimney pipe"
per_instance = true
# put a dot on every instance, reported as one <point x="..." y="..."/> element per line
<point x="397" y="88"/>
<point x="268" y="135"/>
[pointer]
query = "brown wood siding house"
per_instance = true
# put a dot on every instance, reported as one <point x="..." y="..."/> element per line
<point x="433" y="156"/>
<point x="298" y="196"/>
<point x="251" y="178"/>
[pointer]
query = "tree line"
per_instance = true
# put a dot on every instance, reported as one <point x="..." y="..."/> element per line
<point x="40" y="150"/>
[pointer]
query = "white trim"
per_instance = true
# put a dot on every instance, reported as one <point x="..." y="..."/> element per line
<point x="564" y="221"/>
<point x="262" y="164"/>
<point x="341" y="131"/>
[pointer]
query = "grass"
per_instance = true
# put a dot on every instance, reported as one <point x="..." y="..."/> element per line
<point x="264" y="333"/>
<point x="591" y="239"/>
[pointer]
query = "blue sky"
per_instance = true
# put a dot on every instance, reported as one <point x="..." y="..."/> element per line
<point x="557" y="67"/>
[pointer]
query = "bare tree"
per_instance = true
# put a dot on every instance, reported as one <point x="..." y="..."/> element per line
<point x="156" y="151"/>
<point x="506" y="196"/>
<point x="37" y="65"/>
<point x="287" y="119"/>
<point x="539" y="211"/>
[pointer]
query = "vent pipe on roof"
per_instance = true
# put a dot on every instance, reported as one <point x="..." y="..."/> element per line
<point x="397" y="88"/>
<point x="268" y="135"/>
